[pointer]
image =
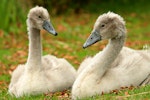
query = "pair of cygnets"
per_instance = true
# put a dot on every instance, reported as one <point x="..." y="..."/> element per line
<point x="114" y="67"/>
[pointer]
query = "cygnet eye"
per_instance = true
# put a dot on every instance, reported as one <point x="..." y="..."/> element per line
<point x="40" y="17"/>
<point x="103" y="25"/>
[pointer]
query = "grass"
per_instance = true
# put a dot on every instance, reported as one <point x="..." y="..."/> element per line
<point x="130" y="93"/>
<point x="11" y="17"/>
<point x="73" y="31"/>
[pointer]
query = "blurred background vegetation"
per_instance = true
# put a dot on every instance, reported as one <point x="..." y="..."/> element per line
<point x="13" y="12"/>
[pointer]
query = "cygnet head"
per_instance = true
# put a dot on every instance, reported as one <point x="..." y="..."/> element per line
<point x="38" y="18"/>
<point x="107" y="26"/>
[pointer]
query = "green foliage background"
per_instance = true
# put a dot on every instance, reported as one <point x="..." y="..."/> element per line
<point x="13" y="12"/>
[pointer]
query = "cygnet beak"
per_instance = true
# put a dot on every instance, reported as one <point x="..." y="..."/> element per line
<point x="49" y="27"/>
<point x="92" y="39"/>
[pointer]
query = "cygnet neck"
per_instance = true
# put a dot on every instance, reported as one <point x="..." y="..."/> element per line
<point x="35" y="49"/>
<point x="102" y="61"/>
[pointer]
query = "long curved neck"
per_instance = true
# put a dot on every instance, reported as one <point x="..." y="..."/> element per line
<point x="35" y="49"/>
<point x="102" y="61"/>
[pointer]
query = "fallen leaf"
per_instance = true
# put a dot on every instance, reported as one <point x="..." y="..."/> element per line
<point x="69" y="57"/>
<point x="1" y="33"/>
<point x="126" y="93"/>
<point x="61" y="28"/>
<point x="116" y="91"/>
